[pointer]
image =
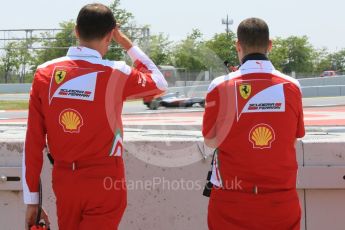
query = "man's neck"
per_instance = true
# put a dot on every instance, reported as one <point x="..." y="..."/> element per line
<point x="254" y="56"/>
<point x="92" y="45"/>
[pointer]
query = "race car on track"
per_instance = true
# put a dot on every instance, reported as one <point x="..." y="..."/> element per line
<point x="174" y="100"/>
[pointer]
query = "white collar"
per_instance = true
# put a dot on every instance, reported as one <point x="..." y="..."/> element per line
<point x="257" y="65"/>
<point x="83" y="52"/>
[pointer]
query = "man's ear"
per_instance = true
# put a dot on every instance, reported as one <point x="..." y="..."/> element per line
<point x="269" y="46"/>
<point x="238" y="46"/>
<point x="76" y="32"/>
<point x="109" y="36"/>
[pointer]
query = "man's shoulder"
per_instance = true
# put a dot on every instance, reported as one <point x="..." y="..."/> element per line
<point x="52" y="62"/>
<point x="223" y="79"/>
<point x="117" y="65"/>
<point x="286" y="78"/>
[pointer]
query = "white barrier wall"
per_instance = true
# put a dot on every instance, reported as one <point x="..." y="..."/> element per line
<point x="323" y="91"/>
<point x="322" y="81"/>
<point x="14" y="88"/>
<point x="161" y="196"/>
<point x="311" y="87"/>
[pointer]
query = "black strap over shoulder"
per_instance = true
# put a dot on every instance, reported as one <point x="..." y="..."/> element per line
<point x="51" y="159"/>
<point x="209" y="185"/>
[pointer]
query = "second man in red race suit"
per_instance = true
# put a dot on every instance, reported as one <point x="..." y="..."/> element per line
<point x="76" y="104"/>
<point x="253" y="116"/>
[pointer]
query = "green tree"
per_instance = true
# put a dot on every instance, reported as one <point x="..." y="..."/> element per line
<point x="224" y="46"/>
<point x="16" y="61"/>
<point x="159" y="49"/>
<point x="9" y="61"/>
<point x="124" y="18"/>
<point x="279" y="54"/>
<point x="187" y="53"/>
<point x="338" y="60"/>
<point x="322" y="61"/>
<point x="293" y="54"/>
<point x="55" y="48"/>
<point x="25" y="60"/>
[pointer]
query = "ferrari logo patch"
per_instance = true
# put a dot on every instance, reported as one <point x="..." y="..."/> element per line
<point x="59" y="76"/>
<point x="245" y="90"/>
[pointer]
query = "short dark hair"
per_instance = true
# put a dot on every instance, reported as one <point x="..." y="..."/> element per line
<point x="95" y="21"/>
<point x="253" y="33"/>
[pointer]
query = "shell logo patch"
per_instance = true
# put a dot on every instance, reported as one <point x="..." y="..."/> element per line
<point x="71" y="121"/>
<point x="262" y="136"/>
<point x="59" y="76"/>
<point x="245" y="90"/>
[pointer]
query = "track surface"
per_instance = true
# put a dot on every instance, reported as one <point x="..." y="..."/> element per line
<point x="324" y="111"/>
<point x="314" y="116"/>
<point x="322" y="116"/>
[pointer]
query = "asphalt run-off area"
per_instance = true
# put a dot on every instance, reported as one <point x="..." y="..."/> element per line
<point x="327" y="111"/>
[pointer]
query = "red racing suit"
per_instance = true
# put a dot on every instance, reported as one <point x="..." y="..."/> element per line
<point x="254" y="116"/>
<point x="76" y="104"/>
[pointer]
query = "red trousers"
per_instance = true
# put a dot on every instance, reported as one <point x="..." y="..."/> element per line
<point x="231" y="210"/>
<point x="90" y="195"/>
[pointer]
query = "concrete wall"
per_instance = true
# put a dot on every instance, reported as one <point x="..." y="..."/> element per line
<point x="163" y="202"/>
<point x="307" y="91"/>
<point x="312" y="87"/>
<point x="190" y="91"/>
<point x="323" y="91"/>
<point x="323" y="86"/>
<point x="191" y="83"/>
<point x="14" y="88"/>
<point x="322" y="81"/>
<point x="318" y="81"/>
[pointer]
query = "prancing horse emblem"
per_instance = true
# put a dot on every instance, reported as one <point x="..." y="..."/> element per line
<point x="59" y="76"/>
<point x="245" y="90"/>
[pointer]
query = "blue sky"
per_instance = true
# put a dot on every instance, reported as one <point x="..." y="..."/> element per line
<point x="322" y="21"/>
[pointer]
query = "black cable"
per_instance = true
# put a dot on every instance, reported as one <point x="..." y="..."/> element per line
<point x="208" y="187"/>
<point x="226" y="63"/>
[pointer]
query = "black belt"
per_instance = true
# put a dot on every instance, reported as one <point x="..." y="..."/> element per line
<point x="80" y="164"/>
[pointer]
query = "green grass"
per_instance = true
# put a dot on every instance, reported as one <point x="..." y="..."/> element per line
<point x="24" y="105"/>
<point x="14" y="105"/>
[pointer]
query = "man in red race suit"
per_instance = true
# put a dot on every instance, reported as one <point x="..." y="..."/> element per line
<point x="76" y="104"/>
<point x="253" y="117"/>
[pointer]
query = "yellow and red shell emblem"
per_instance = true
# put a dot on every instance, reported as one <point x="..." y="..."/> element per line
<point x="262" y="136"/>
<point x="71" y="121"/>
